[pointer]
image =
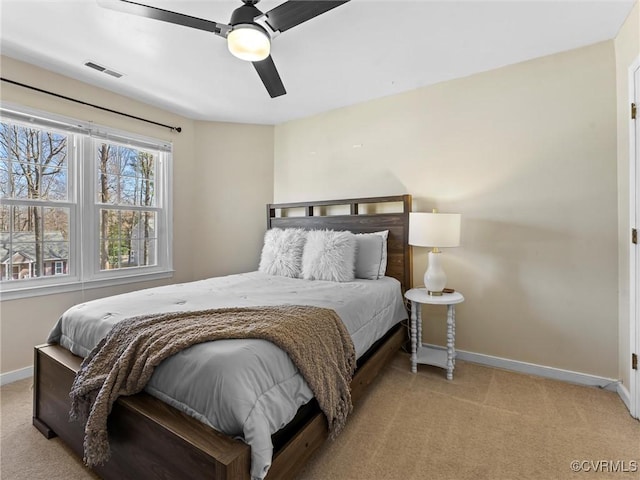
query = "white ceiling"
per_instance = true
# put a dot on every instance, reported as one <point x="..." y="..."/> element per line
<point x="359" y="51"/>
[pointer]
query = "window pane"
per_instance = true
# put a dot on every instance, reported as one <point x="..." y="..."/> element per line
<point x="17" y="181"/>
<point x="127" y="239"/>
<point x="23" y="259"/>
<point x="56" y="223"/>
<point x="145" y="236"/>
<point x="5" y="218"/>
<point x="55" y="253"/>
<point x="32" y="240"/>
<point x="107" y="189"/>
<point x="5" y="177"/>
<point x="55" y="183"/>
<point x="53" y="166"/>
<point x="56" y="246"/>
<point x="4" y="145"/>
<point x="109" y="239"/>
<point x="125" y="176"/>
<point x="147" y="193"/>
<point x="34" y="163"/>
<point x="5" y="242"/>
<point x="27" y="221"/>
<point x="128" y="190"/>
<point x="146" y="254"/>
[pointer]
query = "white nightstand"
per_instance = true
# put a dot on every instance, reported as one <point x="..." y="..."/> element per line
<point x="428" y="355"/>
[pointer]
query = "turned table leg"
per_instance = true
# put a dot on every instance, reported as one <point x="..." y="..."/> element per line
<point x="451" y="328"/>
<point x="413" y="334"/>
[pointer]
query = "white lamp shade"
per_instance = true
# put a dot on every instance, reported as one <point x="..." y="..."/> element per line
<point x="434" y="229"/>
<point x="249" y="42"/>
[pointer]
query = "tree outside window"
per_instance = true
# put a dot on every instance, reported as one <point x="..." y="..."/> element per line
<point x="34" y="232"/>
<point x="126" y="185"/>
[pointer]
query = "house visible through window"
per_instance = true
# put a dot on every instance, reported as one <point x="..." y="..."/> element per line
<point x="34" y="218"/>
<point x="80" y="203"/>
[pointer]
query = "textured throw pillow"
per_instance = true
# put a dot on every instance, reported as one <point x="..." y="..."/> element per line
<point x="329" y="255"/>
<point x="282" y="252"/>
<point x="371" y="255"/>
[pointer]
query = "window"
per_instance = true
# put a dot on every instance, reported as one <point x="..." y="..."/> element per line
<point x="125" y="195"/>
<point x="80" y="204"/>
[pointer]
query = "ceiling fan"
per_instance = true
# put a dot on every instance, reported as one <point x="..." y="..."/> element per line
<point x="249" y="31"/>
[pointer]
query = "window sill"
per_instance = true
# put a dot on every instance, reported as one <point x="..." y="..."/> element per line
<point x="74" y="286"/>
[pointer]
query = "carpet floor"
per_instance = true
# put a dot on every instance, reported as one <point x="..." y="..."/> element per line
<point x="484" y="424"/>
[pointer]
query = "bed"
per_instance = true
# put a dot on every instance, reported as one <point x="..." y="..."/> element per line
<point x="151" y="439"/>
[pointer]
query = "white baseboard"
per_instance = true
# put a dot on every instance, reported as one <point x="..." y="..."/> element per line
<point x="624" y="395"/>
<point x="16" y="375"/>
<point x="540" y="370"/>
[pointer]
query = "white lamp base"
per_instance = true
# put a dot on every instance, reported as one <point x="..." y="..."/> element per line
<point x="434" y="278"/>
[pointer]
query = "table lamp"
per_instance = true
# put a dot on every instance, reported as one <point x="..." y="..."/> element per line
<point x="436" y="230"/>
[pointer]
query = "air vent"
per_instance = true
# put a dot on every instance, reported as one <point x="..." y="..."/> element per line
<point x="102" y="69"/>
<point x="95" y="66"/>
<point x="112" y="73"/>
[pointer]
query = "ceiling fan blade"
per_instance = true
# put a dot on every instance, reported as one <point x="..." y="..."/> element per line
<point x="294" y="12"/>
<point x="155" y="13"/>
<point x="270" y="76"/>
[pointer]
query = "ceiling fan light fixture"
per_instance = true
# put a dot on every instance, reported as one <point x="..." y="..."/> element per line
<point x="249" y="42"/>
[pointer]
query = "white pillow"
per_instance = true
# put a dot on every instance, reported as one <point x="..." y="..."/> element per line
<point x="282" y="252"/>
<point x="371" y="255"/>
<point x="329" y="255"/>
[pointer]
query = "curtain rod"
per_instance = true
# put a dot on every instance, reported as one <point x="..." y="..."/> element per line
<point x="177" y="129"/>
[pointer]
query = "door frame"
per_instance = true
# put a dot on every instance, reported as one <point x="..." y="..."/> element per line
<point x="634" y="254"/>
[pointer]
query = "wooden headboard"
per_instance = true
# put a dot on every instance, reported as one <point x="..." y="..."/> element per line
<point x="358" y="215"/>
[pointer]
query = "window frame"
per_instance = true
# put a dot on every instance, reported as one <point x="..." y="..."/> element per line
<point x="83" y="267"/>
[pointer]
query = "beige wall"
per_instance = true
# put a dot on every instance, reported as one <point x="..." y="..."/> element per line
<point x="235" y="181"/>
<point x="228" y="165"/>
<point x="526" y="154"/>
<point x="627" y="47"/>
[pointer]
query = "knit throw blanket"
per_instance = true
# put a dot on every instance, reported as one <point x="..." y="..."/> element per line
<point x="122" y="363"/>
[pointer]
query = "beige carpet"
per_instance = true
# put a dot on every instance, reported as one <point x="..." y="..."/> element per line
<point x="485" y="424"/>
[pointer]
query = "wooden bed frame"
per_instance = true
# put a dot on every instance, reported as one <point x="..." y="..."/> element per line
<point x="150" y="439"/>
